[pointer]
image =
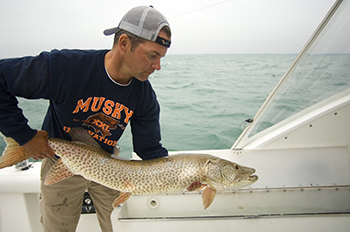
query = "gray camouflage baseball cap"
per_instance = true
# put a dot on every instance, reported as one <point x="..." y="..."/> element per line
<point x="145" y="22"/>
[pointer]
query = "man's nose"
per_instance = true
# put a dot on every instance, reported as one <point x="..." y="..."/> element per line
<point x="156" y="65"/>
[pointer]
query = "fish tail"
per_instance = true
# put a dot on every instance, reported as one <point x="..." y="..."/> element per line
<point x="12" y="154"/>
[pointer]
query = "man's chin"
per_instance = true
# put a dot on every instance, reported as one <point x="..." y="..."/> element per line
<point x="143" y="77"/>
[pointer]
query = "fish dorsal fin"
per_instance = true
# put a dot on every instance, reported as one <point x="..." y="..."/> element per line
<point x="79" y="134"/>
<point x="59" y="171"/>
<point x="116" y="151"/>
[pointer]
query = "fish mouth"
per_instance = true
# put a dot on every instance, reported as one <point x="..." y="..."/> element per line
<point x="249" y="175"/>
<point x="253" y="178"/>
<point x="243" y="181"/>
<point x="246" y="179"/>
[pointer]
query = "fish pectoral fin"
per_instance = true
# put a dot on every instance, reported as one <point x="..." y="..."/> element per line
<point x="59" y="171"/>
<point x="123" y="197"/>
<point x="208" y="196"/>
<point x="12" y="154"/>
<point x="196" y="186"/>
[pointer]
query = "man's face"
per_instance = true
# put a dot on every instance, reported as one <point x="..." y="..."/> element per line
<point x="144" y="59"/>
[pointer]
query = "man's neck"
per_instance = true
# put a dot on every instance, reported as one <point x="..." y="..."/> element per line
<point x="114" y="67"/>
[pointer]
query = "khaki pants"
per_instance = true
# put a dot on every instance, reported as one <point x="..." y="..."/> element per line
<point x="61" y="202"/>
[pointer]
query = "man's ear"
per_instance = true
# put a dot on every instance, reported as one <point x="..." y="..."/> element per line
<point x="124" y="43"/>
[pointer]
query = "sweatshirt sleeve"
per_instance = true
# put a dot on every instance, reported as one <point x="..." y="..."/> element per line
<point x="146" y="134"/>
<point x="26" y="77"/>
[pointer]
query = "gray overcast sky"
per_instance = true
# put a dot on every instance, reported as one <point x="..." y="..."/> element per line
<point x="199" y="26"/>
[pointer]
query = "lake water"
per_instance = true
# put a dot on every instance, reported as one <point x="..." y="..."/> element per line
<point x="204" y="99"/>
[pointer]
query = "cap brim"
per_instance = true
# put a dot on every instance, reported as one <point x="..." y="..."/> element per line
<point x="111" y="31"/>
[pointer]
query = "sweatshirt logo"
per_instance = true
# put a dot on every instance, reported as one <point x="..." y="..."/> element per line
<point x="101" y="124"/>
<point x="109" y="114"/>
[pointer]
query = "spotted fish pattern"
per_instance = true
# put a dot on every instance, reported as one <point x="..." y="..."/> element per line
<point x="167" y="174"/>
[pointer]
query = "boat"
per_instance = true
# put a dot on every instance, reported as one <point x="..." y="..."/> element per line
<point x="298" y="142"/>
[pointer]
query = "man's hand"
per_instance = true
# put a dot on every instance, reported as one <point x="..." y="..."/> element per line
<point x="37" y="147"/>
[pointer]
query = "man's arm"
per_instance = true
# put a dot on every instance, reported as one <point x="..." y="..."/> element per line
<point x="146" y="134"/>
<point x="25" y="77"/>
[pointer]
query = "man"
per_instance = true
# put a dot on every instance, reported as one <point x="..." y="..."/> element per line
<point x="100" y="90"/>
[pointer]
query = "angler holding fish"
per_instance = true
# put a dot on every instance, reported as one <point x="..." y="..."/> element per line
<point x="102" y="90"/>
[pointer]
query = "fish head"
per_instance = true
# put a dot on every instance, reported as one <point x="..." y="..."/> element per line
<point x="224" y="174"/>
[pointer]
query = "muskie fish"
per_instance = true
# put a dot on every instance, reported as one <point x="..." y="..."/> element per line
<point x="83" y="156"/>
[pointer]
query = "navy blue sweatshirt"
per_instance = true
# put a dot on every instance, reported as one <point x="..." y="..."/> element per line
<point x="81" y="94"/>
